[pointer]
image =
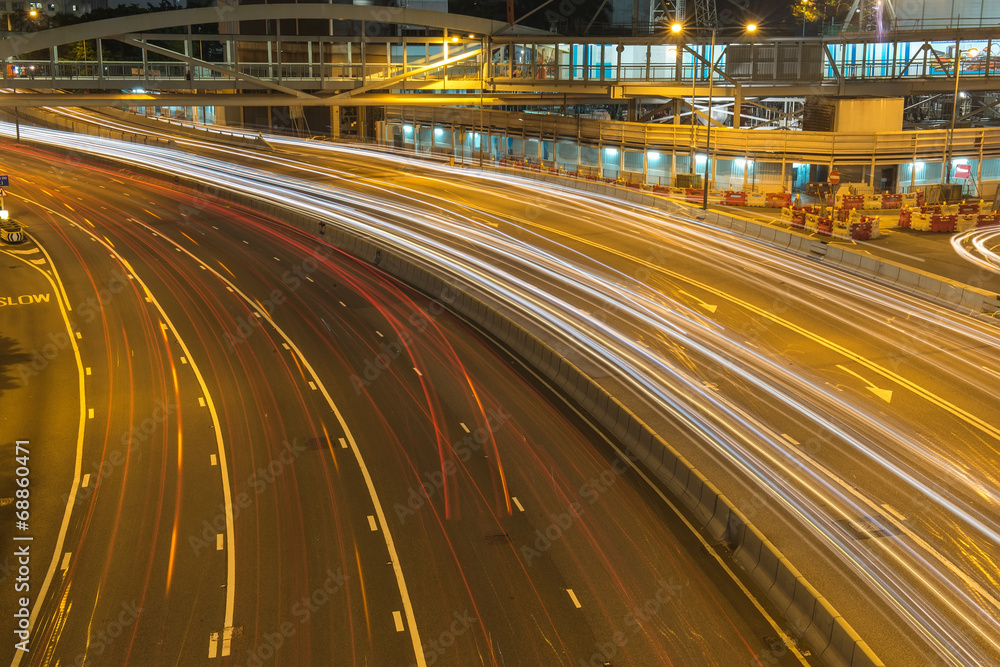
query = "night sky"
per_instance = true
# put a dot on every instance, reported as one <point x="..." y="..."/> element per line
<point x="771" y="15"/>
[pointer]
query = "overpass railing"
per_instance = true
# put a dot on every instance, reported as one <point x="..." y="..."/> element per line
<point x="307" y="63"/>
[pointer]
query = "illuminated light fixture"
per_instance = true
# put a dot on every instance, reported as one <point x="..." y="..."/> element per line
<point x="454" y="39"/>
<point x="918" y="165"/>
<point x="653" y="155"/>
<point x="407" y="128"/>
<point x="611" y="151"/>
<point x="699" y="158"/>
<point x="676" y="28"/>
<point x="751" y="27"/>
<point x="4" y="214"/>
<point x="471" y="36"/>
<point x="438" y="131"/>
<point x="973" y="52"/>
<point x="796" y="165"/>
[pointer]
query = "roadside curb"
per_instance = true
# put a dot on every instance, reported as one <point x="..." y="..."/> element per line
<point x="979" y="303"/>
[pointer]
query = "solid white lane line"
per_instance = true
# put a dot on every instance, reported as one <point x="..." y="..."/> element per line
<point x="572" y="595"/>
<point x="86" y="480"/>
<point x="55" y="273"/>
<point x="464" y="427"/>
<point x="372" y="524"/>
<point x="215" y="461"/>
<point x="789" y="438"/>
<point x="383" y="523"/>
<point x="398" y="618"/>
<point x="42" y="591"/>
<point x="518" y="503"/>
<point x="65" y="561"/>
<point x="227" y="492"/>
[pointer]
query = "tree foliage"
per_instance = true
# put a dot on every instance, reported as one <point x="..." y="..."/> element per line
<point x="805" y="11"/>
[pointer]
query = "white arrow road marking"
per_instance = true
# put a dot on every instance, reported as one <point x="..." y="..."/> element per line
<point x="707" y="306"/>
<point x="884" y="394"/>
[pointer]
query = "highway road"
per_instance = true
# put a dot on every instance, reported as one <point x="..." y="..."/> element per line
<point x="285" y="457"/>
<point x="856" y="425"/>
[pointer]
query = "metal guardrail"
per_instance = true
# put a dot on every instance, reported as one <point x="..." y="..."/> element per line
<point x="762" y="145"/>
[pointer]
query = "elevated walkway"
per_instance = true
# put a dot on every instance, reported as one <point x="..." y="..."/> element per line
<point x="742" y="159"/>
<point x="215" y="52"/>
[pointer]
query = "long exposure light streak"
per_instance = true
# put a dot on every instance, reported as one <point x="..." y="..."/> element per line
<point x="600" y="313"/>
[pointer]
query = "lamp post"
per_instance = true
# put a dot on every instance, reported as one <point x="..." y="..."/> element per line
<point x="708" y="127"/>
<point x="676" y="28"/>
<point x="946" y="166"/>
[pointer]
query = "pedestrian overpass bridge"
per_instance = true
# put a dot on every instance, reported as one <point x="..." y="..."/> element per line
<point x="345" y="55"/>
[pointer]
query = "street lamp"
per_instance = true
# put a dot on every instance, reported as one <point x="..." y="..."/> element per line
<point x="946" y="167"/>
<point x="676" y="28"/>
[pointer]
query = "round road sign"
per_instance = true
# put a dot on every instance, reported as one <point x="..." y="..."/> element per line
<point x="834" y="177"/>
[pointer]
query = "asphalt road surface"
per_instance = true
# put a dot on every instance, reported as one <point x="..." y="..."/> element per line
<point x="287" y="458"/>
<point x="855" y="425"/>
